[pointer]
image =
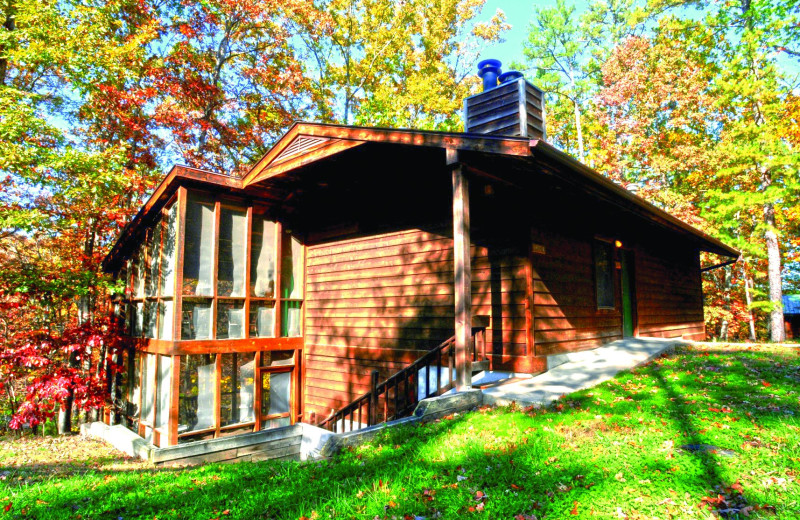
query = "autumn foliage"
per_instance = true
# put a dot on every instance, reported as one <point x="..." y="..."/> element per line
<point x="98" y="98"/>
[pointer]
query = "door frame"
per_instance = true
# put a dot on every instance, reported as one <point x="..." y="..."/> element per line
<point x="627" y="260"/>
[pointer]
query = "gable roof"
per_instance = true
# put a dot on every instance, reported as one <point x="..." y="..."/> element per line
<point x="306" y="143"/>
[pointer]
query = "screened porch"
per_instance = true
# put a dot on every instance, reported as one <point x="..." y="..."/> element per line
<point x="213" y="303"/>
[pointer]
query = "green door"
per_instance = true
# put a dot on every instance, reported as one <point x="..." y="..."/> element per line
<point x="627" y="293"/>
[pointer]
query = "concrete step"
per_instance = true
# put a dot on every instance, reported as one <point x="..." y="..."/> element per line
<point x="480" y="366"/>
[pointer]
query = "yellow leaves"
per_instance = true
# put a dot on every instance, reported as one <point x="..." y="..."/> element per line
<point x="491" y="31"/>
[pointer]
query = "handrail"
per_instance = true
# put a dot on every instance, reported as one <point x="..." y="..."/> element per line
<point x="405" y="397"/>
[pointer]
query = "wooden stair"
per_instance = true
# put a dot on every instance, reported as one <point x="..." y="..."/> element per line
<point x="399" y="394"/>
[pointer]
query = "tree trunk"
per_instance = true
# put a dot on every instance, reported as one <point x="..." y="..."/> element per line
<point x="776" y="327"/>
<point x="726" y="297"/>
<point x="578" y="129"/>
<point x="8" y="25"/>
<point x="65" y="414"/>
<point x="751" y="322"/>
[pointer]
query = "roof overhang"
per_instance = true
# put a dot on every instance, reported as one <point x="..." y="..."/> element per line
<point x="177" y="176"/>
<point x="601" y="186"/>
<point x="306" y="143"/>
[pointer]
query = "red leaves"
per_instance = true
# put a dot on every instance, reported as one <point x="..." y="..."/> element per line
<point x="480" y="497"/>
<point x="48" y="363"/>
<point x="724" y="409"/>
<point x="574" y="510"/>
<point x="766" y="383"/>
<point x="8" y="507"/>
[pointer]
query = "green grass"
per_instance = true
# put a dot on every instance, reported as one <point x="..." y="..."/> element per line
<point x="609" y="452"/>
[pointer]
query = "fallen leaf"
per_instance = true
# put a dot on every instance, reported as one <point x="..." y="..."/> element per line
<point x="574" y="508"/>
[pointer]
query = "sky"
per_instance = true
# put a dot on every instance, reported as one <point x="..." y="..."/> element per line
<point x="518" y="14"/>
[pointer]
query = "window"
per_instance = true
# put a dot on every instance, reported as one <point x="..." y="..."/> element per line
<point x="152" y="280"/>
<point x="237" y="388"/>
<point x="134" y="391"/>
<point x="262" y="278"/>
<point x="240" y="380"/>
<point x="163" y="402"/>
<point x="604" y="274"/>
<point x="197" y="388"/>
<point x="198" y="247"/>
<point x="148" y="397"/>
<point x="291" y="285"/>
<point x="232" y="251"/>
<point x="276" y="388"/>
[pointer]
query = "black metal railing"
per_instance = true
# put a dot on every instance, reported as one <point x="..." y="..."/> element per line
<point x="397" y="396"/>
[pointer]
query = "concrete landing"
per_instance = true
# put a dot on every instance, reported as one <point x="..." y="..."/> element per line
<point x="581" y="370"/>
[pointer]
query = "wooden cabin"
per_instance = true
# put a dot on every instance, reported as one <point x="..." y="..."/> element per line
<point x="791" y="316"/>
<point x="263" y="300"/>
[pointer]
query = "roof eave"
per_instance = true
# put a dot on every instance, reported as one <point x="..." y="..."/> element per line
<point x="654" y="213"/>
<point x="177" y="175"/>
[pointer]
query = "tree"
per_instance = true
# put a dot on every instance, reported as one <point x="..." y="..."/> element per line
<point x="556" y="51"/>
<point x="397" y="64"/>
<point x="757" y="159"/>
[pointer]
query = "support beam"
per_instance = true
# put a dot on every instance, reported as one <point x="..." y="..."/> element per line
<point x="462" y="273"/>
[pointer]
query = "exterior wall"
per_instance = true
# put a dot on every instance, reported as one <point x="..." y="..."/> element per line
<point x="380" y="302"/>
<point x="566" y="318"/>
<point x="669" y="294"/>
<point x="792" y="326"/>
<point x="500" y="290"/>
<point x="374" y="303"/>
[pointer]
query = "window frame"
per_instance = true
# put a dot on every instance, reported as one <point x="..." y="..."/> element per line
<point x="597" y="243"/>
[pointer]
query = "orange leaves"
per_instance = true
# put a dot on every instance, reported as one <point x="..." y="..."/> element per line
<point x="724" y="409"/>
<point x="574" y="510"/>
<point x="765" y="383"/>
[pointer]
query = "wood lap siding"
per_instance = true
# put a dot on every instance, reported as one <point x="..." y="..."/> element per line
<point x="669" y="295"/>
<point x="566" y="318"/>
<point x="373" y="303"/>
<point x="380" y="302"/>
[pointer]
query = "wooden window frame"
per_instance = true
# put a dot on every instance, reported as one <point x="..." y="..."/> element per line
<point x="177" y="346"/>
<point x="610" y="244"/>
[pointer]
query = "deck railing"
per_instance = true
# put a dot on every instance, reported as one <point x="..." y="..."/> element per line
<point x="431" y="375"/>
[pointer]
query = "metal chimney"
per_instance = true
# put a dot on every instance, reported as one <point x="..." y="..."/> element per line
<point x="508" y="105"/>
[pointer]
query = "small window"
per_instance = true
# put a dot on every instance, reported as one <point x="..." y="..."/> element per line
<point x="232" y="251"/>
<point x="604" y="274"/>
<point x="262" y="258"/>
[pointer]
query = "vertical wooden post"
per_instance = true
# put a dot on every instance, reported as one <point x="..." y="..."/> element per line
<point x="462" y="276"/>
<point x="278" y="321"/>
<point x="215" y="273"/>
<point x="373" y="398"/>
<point x="258" y="396"/>
<point x="180" y="238"/>
<point x="247" y="268"/>
<point x="172" y="423"/>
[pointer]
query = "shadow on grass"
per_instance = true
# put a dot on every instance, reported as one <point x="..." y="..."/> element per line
<point x="552" y="462"/>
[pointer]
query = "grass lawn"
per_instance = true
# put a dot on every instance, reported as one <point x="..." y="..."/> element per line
<point x="610" y="452"/>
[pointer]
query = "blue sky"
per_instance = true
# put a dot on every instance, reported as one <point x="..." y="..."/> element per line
<point x="518" y="14"/>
